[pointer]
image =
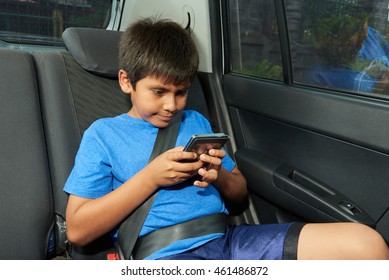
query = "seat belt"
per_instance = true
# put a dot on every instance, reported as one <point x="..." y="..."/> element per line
<point x="129" y="230"/>
<point x="155" y="240"/>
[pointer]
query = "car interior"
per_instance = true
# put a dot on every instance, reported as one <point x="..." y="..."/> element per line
<point x="309" y="154"/>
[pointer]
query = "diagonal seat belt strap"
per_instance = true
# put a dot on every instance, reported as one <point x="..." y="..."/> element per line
<point x="130" y="228"/>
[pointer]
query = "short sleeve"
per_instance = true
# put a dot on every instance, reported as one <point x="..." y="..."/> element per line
<point x="91" y="176"/>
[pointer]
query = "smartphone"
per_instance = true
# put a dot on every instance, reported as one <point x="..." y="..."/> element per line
<point x="202" y="143"/>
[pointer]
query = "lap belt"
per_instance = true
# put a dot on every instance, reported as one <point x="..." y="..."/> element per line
<point x="153" y="241"/>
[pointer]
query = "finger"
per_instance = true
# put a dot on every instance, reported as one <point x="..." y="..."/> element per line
<point x="192" y="167"/>
<point x="201" y="184"/>
<point x="208" y="175"/>
<point x="176" y="177"/>
<point x="176" y="154"/>
<point x="217" y="153"/>
<point x="210" y="159"/>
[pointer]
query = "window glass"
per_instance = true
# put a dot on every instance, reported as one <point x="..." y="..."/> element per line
<point x="340" y="44"/>
<point x="254" y="42"/>
<point x="43" y="21"/>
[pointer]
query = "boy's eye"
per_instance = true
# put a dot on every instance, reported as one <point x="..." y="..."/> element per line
<point x="158" y="91"/>
<point x="178" y="93"/>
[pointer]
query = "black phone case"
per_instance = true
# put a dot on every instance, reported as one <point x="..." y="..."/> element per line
<point x="201" y="143"/>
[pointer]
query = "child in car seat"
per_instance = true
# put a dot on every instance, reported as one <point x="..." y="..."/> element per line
<point x="111" y="176"/>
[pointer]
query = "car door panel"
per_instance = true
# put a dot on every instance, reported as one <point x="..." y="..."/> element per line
<point x="348" y="117"/>
<point x="280" y="128"/>
<point x="297" y="191"/>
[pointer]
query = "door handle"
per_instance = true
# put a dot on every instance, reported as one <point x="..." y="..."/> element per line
<point x="319" y="195"/>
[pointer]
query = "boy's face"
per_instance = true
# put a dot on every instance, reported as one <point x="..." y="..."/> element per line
<point x="154" y="101"/>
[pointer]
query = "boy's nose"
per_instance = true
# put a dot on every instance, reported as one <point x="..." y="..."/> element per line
<point x="170" y="103"/>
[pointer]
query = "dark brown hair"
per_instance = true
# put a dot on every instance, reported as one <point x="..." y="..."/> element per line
<point x="158" y="48"/>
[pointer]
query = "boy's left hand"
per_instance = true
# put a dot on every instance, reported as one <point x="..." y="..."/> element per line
<point x="214" y="159"/>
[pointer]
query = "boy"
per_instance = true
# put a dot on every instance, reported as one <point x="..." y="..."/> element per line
<point x="111" y="177"/>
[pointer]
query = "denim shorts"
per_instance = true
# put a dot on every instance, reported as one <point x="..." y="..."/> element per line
<point x="249" y="242"/>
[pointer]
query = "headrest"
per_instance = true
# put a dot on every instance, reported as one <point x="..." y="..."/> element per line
<point x="96" y="50"/>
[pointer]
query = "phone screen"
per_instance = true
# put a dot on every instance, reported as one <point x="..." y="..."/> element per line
<point x="202" y="143"/>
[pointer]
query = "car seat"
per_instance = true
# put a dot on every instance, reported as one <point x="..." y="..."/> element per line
<point x="78" y="86"/>
<point x="26" y="207"/>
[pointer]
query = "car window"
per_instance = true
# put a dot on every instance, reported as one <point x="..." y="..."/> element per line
<point x="334" y="44"/>
<point x="43" y="21"/>
<point x="254" y="46"/>
<point x="340" y="44"/>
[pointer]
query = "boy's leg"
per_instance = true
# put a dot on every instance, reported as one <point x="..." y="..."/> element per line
<point x="249" y="242"/>
<point x="340" y="241"/>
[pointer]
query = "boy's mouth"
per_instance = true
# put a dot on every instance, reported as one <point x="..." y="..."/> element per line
<point x="167" y="118"/>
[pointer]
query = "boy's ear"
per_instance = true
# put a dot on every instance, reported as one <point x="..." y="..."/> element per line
<point x="124" y="81"/>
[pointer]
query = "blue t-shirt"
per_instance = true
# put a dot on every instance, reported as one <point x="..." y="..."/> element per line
<point x="115" y="149"/>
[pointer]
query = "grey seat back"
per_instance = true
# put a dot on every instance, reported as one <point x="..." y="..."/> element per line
<point x="26" y="205"/>
<point x="72" y="98"/>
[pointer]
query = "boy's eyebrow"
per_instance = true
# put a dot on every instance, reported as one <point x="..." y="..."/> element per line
<point x="165" y="88"/>
<point x="184" y="89"/>
<point x="159" y="87"/>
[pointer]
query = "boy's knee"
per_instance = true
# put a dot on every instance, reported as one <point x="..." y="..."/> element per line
<point x="367" y="243"/>
<point x="345" y="241"/>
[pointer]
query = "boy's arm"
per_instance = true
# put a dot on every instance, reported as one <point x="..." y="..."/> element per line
<point x="231" y="184"/>
<point x="87" y="219"/>
<point x="233" y="188"/>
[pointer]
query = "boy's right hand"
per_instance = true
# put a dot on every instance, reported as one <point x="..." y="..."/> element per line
<point x="173" y="166"/>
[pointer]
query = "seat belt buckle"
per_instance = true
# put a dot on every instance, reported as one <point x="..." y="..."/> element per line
<point x="113" y="257"/>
